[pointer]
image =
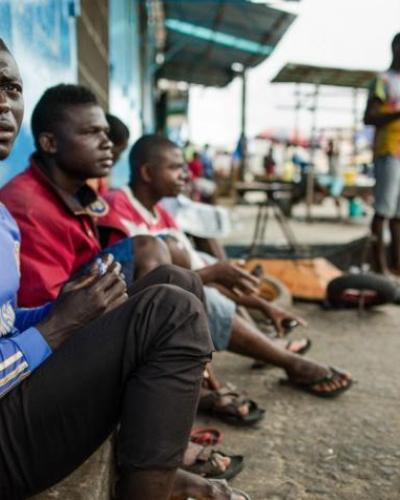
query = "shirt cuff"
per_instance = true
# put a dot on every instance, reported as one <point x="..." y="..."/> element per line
<point x="33" y="346"/>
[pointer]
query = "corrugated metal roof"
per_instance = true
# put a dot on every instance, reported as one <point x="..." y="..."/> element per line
<point x="338" y="77"/>
<point x="204" y="38"/>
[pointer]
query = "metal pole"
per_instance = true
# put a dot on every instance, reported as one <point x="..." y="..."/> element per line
<point x="355" y="122"/>
<point x="310" y="173"/>
<point x="243" y="137"/>
<point x="297" y="112"/>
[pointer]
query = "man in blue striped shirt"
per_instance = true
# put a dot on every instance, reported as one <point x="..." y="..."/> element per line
<point x="99" y="356"/>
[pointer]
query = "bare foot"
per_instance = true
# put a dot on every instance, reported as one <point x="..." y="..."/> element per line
<point x="305" y="372"/>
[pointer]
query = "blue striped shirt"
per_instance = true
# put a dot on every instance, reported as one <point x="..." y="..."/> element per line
<point x="22" y="346"/>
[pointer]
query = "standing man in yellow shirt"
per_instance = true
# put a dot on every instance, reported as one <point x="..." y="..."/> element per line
<point x="383" y="111"/>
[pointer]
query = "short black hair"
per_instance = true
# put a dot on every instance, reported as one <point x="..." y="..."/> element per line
<point x="146" y="149"/>
<point x="50" y="107"/>
<point x="396" y="40"/>
<point x="3" y="45"/>
<point x="119" y="132"/>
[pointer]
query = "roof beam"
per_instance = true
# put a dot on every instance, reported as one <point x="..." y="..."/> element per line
<point x="218" y="37"/>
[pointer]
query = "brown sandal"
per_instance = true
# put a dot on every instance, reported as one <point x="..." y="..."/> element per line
<point x="229" y="413"/>
<point x="202" y="460"/>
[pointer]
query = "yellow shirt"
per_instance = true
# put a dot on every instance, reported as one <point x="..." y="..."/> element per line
<point x="386" y="88"/>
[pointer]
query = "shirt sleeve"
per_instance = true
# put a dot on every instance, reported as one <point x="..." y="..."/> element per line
<point x="20" y="354"/>
<point x="27" y="317"/>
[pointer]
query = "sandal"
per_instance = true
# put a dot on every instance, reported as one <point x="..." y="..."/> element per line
<point x="229" y="413"/>
<point x="257" y="364"/>
<point x="334" y="376"/>
<point x="206" y="436"/>
<point x="202" y="460"/>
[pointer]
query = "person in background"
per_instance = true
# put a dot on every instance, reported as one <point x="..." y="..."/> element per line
<point x="119" y="136"/>
<point x="383" y="111"/>
<point x="195" y="167"/>
<point x="207" y="161"/>
<point x="188" y="151"/>
<point x="270" y="163"/>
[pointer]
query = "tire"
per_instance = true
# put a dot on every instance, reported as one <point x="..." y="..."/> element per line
<point x="346" y="291"/>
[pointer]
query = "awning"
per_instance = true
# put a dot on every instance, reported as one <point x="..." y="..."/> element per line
<point x="321" y="75"/>
<point x="204" y="38"/>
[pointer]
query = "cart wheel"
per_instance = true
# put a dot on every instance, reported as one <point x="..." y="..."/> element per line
<point x="348" y="290"/>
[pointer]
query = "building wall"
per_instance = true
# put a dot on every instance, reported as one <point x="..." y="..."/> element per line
<point x="93" y="47"/>
<point x="104" y="44"/>
<point x="131" y="81"/>
<point x="41" y="35"/>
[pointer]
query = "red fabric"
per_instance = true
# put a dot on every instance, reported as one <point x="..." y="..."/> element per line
<point x="55" y="242"/>
<point x="132" y="221"/>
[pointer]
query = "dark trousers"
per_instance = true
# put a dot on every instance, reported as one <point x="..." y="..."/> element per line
<point x="140" y="365"/>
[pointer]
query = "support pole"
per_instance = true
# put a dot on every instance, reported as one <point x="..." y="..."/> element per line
<point x="243" y="137"/>
<point x="355" y="123"/>
<point x="310" y="173"/>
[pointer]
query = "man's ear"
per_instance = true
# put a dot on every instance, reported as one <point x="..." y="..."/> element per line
<point x="48" y="142"/>
<point x="145" y="171"/>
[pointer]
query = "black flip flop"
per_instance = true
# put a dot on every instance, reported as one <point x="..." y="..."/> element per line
<point x="255" y="415"/>
<point x="236" y="466"/>
<point x="333" y="376"/>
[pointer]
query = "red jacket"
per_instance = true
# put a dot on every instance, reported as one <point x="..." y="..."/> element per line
<point x="58" y="232"/>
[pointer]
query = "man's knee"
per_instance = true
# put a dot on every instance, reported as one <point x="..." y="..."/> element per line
<point x="149" y="252"/>
<point x="182" y="278"/>
<point x="177" y="310"/>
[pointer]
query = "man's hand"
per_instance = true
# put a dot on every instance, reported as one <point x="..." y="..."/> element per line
<point x="230" y="276"/>
<point x="282" y="319"/>
<point x="82" y="300"/>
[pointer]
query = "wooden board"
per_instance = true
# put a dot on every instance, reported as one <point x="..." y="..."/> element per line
<point x="306" y="279"/>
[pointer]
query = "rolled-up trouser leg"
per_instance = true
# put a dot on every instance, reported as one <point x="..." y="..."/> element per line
<point x="172" y="275"/>
<point x="140" y="365"/>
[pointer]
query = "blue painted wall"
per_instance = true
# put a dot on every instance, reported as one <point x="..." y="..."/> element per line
<point x="41" y="34"/>
<point x="125" y="75"/>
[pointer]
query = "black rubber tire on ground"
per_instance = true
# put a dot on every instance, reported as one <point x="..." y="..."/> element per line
<point x="385" y="290"/>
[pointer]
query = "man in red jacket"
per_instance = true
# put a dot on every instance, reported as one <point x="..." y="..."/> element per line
<point x="56" y="210"/>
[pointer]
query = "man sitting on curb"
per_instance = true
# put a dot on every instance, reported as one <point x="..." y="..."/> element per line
<point x="157" y="170"/>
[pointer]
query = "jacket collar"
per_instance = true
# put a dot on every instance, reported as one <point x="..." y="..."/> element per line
<point x="80" y="204"/>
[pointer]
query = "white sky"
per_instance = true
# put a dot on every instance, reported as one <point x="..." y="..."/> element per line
<point x="342" y="33"/>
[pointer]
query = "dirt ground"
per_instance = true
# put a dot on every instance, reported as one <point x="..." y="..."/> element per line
<point x="308" y="448"/>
